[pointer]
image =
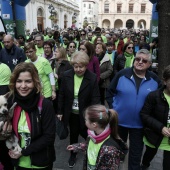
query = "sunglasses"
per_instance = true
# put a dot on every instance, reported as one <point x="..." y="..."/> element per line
<point x="83" y="34"/>
<point x="72" y="47"/>
<point x="140" y="59"/>
<point x="130" y="47"/>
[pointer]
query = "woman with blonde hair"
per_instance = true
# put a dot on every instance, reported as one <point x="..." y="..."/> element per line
<point x="78" y="90"/>
<point x="61" y="65"/>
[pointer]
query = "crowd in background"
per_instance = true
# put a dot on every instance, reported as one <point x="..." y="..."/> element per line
<point x="77" y="68"/>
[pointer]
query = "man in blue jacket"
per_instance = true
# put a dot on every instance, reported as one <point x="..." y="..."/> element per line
<point x="126" y="94"/>
<point x="11" y="55"/>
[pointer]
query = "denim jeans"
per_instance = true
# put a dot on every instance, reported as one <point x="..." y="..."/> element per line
<point x="135" y="145"/>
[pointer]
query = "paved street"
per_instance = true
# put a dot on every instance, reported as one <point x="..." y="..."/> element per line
<point x="62" y="156"/>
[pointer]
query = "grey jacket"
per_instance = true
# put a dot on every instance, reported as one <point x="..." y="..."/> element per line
<point x="106" y="70"/>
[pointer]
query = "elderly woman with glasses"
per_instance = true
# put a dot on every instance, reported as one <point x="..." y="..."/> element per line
<point x="124" y="60"/>
<point x="78" y="90"/>
<point x="48" y="50"/>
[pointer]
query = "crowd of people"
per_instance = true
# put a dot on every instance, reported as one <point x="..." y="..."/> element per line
<point x="101" y="84"/>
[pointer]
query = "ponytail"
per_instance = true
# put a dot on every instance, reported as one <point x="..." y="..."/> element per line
<point x="113" y="116"/>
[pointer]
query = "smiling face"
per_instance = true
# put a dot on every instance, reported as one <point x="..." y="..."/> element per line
<point x="47" y="50"/>
<point x="24" y="84"/>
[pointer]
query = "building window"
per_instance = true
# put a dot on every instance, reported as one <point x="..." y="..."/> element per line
<point x="89" y="6"/>
<point x="130" y="8"/>
<point x="143" y="8"/>
<point x="119" y="8"/>
<point x="106" y="7"/>
<point x="84" y="5"/>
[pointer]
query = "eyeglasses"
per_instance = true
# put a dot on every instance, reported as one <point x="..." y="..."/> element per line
<point x="20" y="38"/>
<point x="72" y="47"/>
<point x="83" y="34"/>
<point x="141" y="59"/>
<point x="130" y="47"/>
<point x="29" y="52"/>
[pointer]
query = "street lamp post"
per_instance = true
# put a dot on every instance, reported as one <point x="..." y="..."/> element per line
<point x="14" y="18"/>
<point x="74" y="20"/>
<point x="85" y="23"/>
<point x="51" y="11"/>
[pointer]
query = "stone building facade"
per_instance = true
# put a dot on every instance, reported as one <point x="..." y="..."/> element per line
<point x="63" y="14"/>
<point x="89" y="12"/>
<point x="125" y="14"/>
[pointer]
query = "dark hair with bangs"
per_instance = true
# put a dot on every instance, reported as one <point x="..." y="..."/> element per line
<point x="89" y="47"/>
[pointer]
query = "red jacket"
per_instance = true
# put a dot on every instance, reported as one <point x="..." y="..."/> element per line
<point x="119" y="47"/>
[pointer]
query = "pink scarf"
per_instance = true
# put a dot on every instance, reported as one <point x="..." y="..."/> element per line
<point x="101" y="137"/>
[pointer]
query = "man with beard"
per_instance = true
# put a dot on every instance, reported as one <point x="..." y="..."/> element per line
<point x="90" y="36"/>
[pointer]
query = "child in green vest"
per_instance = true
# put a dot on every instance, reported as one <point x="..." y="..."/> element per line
<point x="104" y="148"/>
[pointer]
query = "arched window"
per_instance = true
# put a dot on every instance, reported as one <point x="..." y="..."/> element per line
<point x="106" y="6"/>
<point x="65" y="21"/>
<point x="40" y="13"/>
<point x="40" y="19"/>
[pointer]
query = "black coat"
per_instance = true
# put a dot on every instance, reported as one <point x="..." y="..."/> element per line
<point x="64" y="66"/>
<point x="154" y="115"/>
<point x="88" y="95"/>
<point x="12" y="58"/>
<point x="41" y="149"/>
<point x="119" y="63"/>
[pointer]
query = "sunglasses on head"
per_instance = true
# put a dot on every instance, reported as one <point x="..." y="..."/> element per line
<point x="138" y="59"/>
<point x="130" y="47"/>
